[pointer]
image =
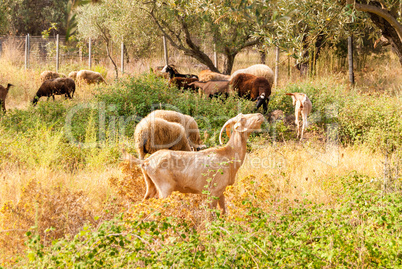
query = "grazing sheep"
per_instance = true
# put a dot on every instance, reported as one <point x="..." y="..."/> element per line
<point x="189" y="172"/>
<point x="252" y="87"/>
<point x="57" y="86"/>
<point x="259" y="70"/>
<point x="3" y="95"/>
<point x="158" y="71"/>
<point x="213" y="88"/>
<point x="152" y="134"/>
<point x="173" y="73"/>
<point x="302" y="106"/>
<point x="182" y="83"/>
<point x="90" y="77"/>
<point x="188" y="122"/>
<point x="45" y="75"/>
<point x="73" y="75"/>
<point x="208" y="75"/>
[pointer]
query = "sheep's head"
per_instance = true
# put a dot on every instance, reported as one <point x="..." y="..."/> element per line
<point x="243" y="124"/>
<point x="261" y="99"/>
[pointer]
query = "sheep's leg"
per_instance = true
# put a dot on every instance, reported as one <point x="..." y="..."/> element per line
<point x="265" y="106"/>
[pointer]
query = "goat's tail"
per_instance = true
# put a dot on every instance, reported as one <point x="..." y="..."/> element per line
<point x="128" y="157"/>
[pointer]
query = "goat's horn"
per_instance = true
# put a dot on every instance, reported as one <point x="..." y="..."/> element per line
<point x="289" y="93"/>
<point x="227" y="124"/>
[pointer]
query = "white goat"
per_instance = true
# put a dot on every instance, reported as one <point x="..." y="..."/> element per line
<point x="302" y="106"/>
<point x="187" y="172"/>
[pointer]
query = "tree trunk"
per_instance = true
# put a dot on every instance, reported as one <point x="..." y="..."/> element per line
<point x="111" y="59"/>
<point x="228" y="63"/>
<point x="309" y="61"/>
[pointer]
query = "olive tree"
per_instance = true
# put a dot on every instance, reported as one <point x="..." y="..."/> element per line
<point x="230" y="25"/>
<point x="386" y="15"/>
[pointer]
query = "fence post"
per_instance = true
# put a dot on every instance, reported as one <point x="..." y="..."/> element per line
<point x="57" y="53"/>
<point x="350" y="60"/>
<point x="80" y="54"/>
<point x="122" y="57"/>
<point x="165" y="50"/>
<point x="276" y="66"/>
<point x="27" y="52"/>
<point x="215" y="56"/>
<point x="90" y="53"/>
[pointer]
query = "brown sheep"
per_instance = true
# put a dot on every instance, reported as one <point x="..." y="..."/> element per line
<point x="259" y="70"/>
<point x="252" y="87"/>
<point x="3" y="95"/>
<point x="208" y="75"/>
<point x="213" y="88"/>
<point x="45" y="75"/>
<point x="57" y="86"/>
<point x="182" y="83"/>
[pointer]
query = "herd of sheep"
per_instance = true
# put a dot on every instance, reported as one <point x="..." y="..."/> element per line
<point x="178" y="159"/>
<point x="54" y="83"/>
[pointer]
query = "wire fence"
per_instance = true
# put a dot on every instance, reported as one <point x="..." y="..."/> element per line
<point x="41" y="53"/>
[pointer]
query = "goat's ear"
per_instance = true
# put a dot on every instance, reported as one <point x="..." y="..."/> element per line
<point x="239" y="126"/>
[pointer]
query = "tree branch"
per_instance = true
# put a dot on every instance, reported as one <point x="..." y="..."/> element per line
<point x="383" y="13"/>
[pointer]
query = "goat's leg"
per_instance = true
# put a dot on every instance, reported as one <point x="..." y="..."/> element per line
<point x="3" y="105"/>
<point x="151" y="190"/>
<point x="297" y="123"/>
<point x="222" y="204"/>
<point x="304" y="126"/>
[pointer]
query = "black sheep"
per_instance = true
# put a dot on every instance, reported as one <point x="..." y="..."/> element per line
<point x="57" y="86"/>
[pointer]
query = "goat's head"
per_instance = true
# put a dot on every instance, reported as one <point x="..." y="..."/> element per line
<point x="243" y="124"/>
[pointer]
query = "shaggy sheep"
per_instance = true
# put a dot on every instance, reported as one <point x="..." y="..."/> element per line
<point x="73" y="75"/>
<point x="90" y="77"/>
<point x="45" y="75"/>
<point x="208" y="75"/>
<point x="189" y="172"/>
<point x="153" y="134"/>
<point x="259" y="70"/>
<point x="173" y="73"/>
<point x="188" y="122"/>
<point x="252" y="87"/>
<point x="182" y="83"/>
<point x="3" y="95"/>
<point x="302" y="106"/>
<point x="57" y="86"/>
<point x="213" y="88"/>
